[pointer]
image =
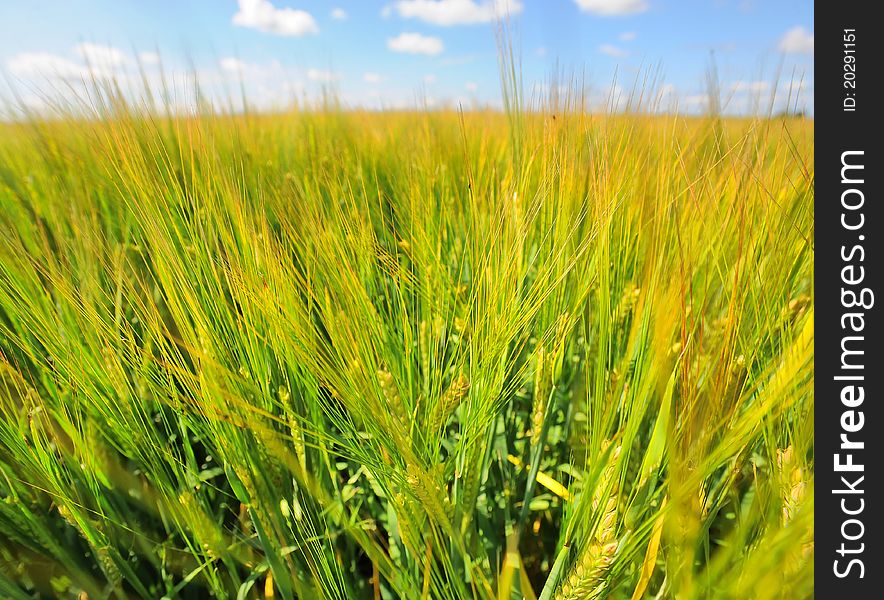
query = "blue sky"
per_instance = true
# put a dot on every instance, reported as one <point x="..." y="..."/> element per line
<point x="407" y="52"/>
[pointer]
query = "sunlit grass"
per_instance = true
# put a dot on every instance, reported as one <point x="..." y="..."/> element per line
<point x="406" y="355"/>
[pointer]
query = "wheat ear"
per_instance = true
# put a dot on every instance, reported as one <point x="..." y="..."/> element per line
<point x="587" y="578"/>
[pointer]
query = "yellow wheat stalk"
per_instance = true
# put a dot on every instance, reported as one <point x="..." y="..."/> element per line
<point x="587" y="578"/>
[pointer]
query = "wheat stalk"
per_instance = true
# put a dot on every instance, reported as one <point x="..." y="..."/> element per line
<point x="587" y="579"/>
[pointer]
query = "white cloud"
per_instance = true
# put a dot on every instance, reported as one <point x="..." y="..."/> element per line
<point x="415" y="43"/>
<point x="613" y="8"/>
<point x="321" y="75"/>
<point x="235" y="65"/>
<point x="45" y="64"/>
<point x="627" y="36"/>
<point x="429" y="78"/>
<point x="666" y="90"/>
<point x="267" y="85"/>
<point x="750" y="86"/>
<point x="101" y="56"/>
<point x="263" y="16"/>
<point x="797" y="41"/>
<point x="457" y="12"/>
<point x="370" y="77"/>
<point x="339" y="14"/>
<point x="610" y="98"/>
<point x="613" y="51"/>
<point x="232" y="65"/>
<point x="541" y="51"/>
<point x="149" y="58"/>
<point x="95" y="62"/>
<point x="540" y="87"/>
<point x="270" y="72"/>
<point x="697" y="100"/>
<point x="472" y="87"/>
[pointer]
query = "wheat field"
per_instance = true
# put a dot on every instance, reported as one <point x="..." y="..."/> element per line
<point x="339" y="354"/>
